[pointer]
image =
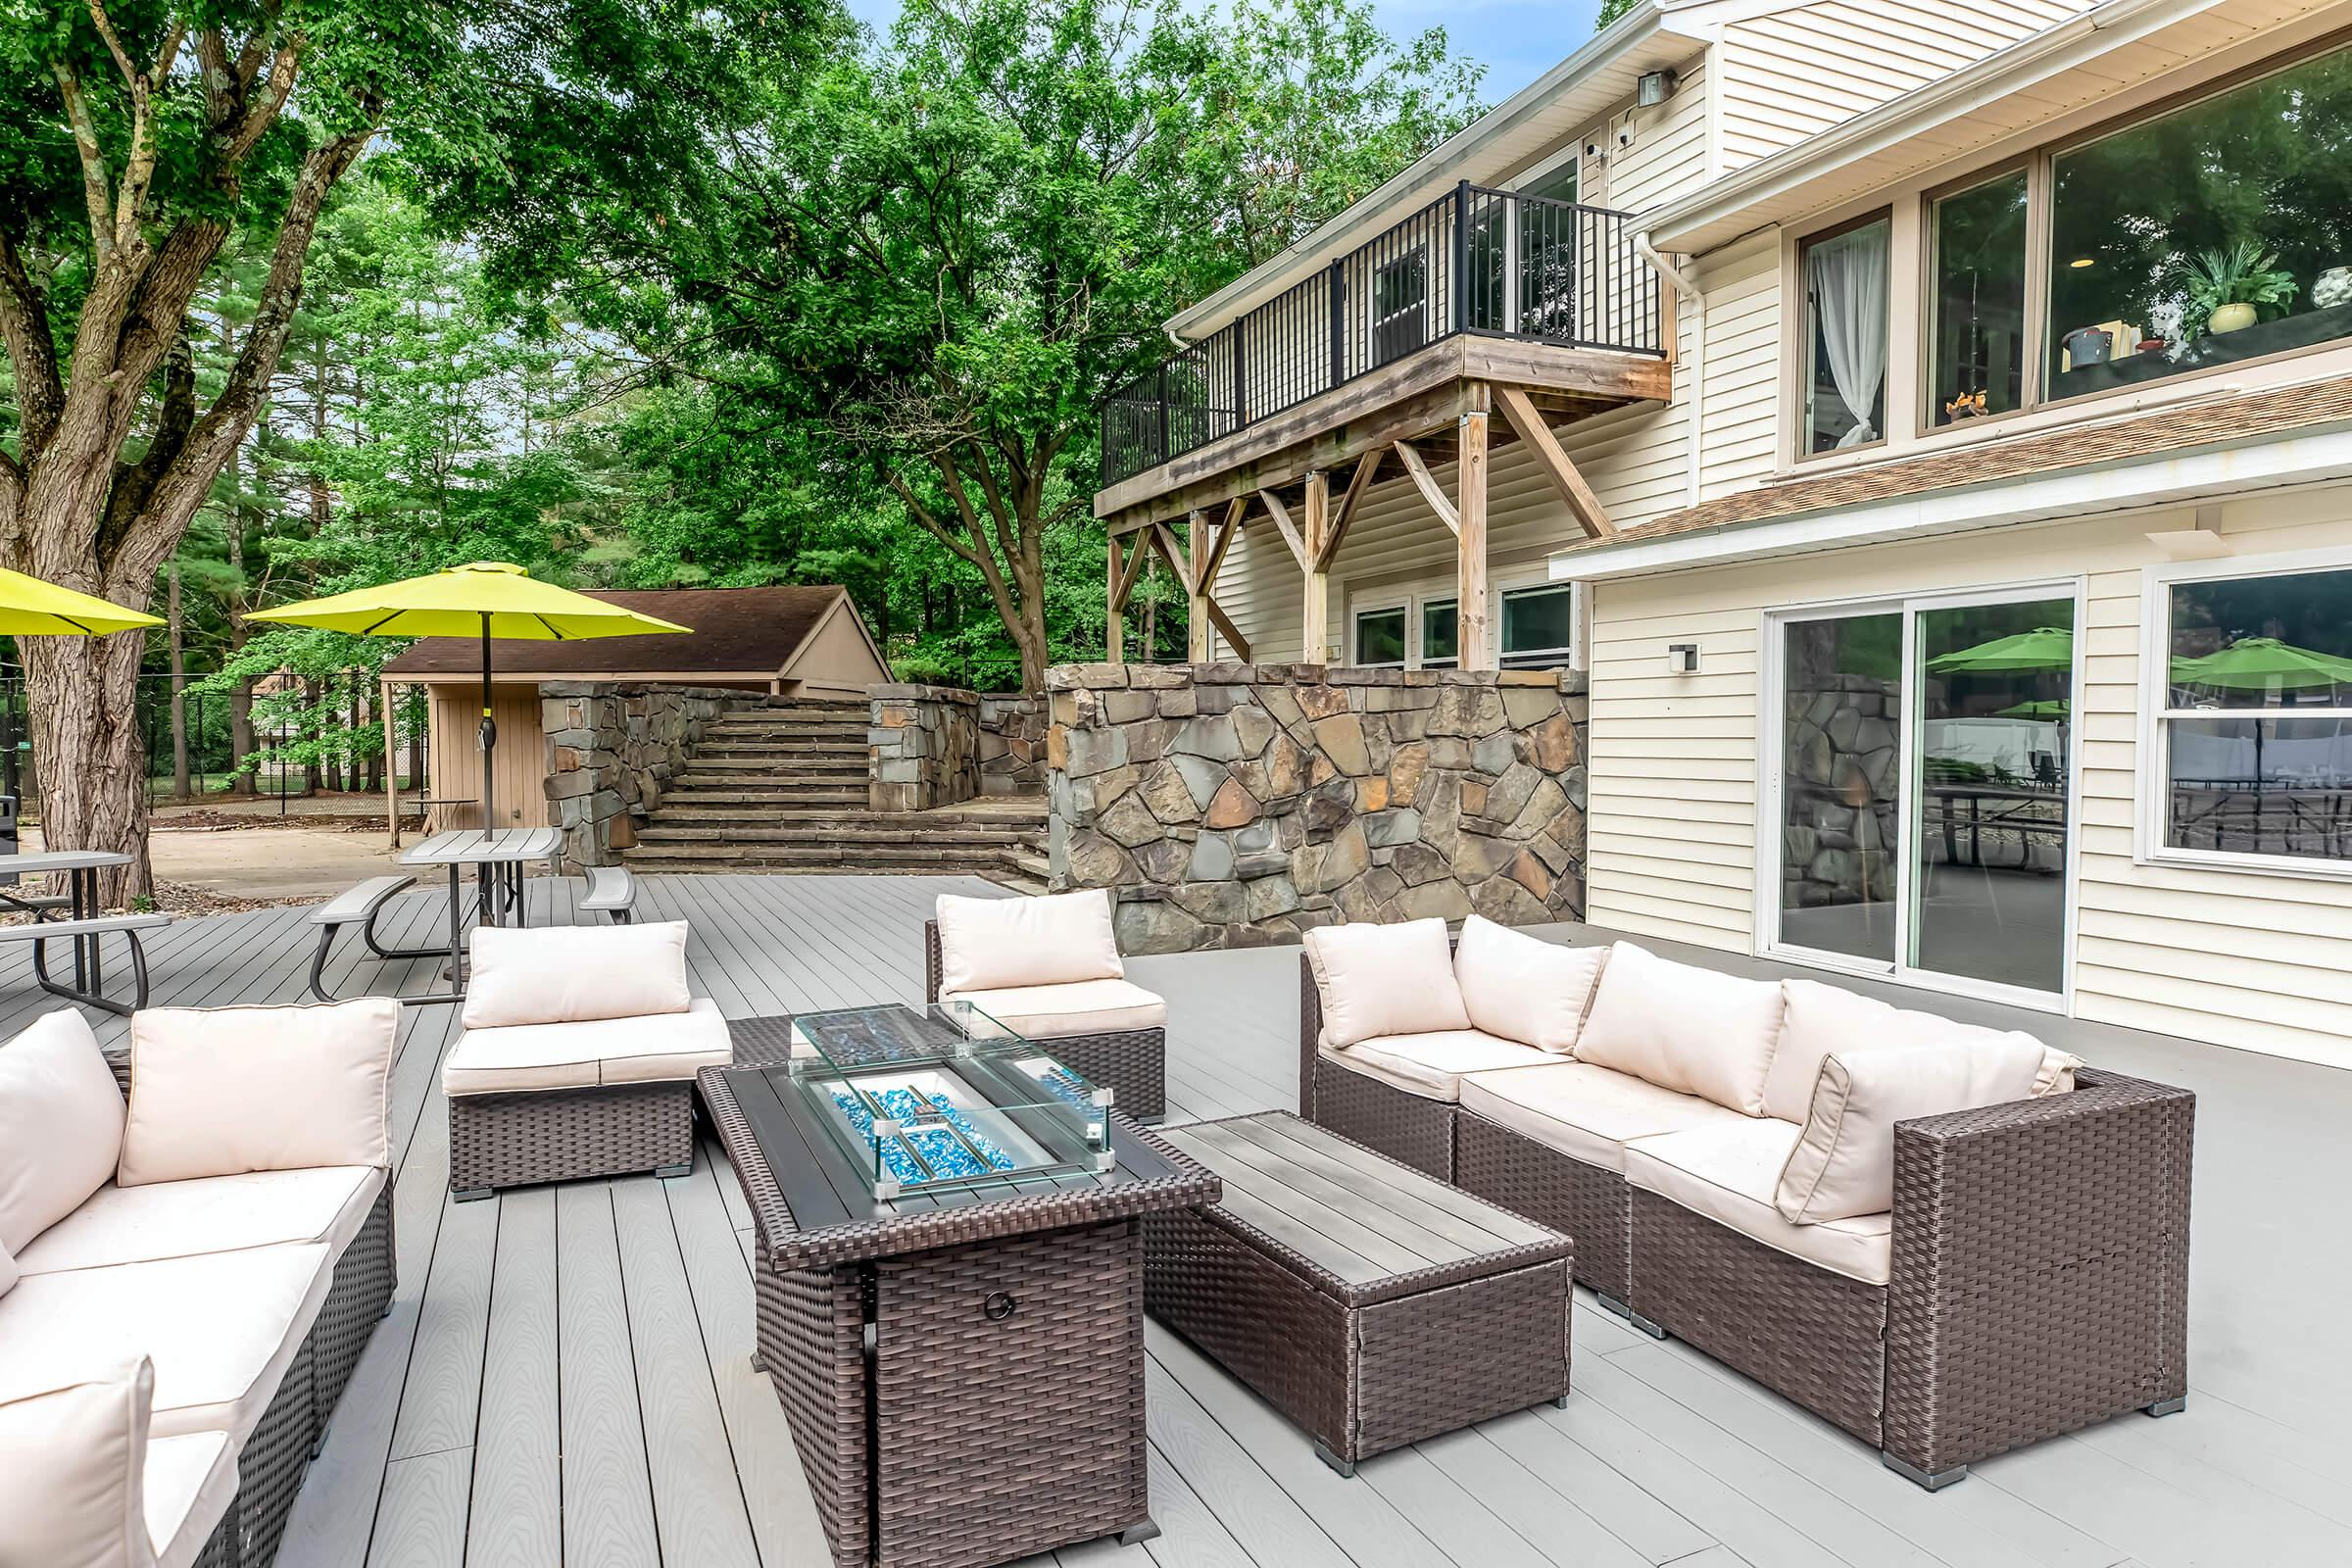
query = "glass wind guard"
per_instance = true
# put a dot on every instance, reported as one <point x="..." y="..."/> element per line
<point x="944" y="1100"/>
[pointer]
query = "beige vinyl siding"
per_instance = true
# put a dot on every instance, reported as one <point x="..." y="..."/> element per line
<point x="1789" y="74"/>
<point x="1742" y="287"/>
<point x="2252" y="959"/>
<point x="1668" y="155"/>
<point x="837" y="661"/>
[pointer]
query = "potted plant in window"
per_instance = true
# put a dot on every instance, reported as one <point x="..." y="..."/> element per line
<point x="2224" y="287"/>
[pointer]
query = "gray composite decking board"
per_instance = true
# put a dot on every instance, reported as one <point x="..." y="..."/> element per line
<point x="608" y="1485"/>
<point x="1555" y="1525"/>
<point x="442" y="1396"/>
<point x="1665" y="1451"/>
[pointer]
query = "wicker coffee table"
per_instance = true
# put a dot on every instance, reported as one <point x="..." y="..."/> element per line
<point x="1372" y="1304"/>
<point x="962" y="1362"/>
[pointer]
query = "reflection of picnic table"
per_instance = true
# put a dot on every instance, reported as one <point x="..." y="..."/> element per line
<point x="2304" y="819"/>
<point x="1973" y="809"/>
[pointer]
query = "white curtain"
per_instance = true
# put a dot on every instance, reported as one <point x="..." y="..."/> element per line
<point x="1847" y="277"/>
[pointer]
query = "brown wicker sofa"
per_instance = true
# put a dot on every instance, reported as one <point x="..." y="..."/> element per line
<point x="220" y="1314"/>
<point x="2035" y="1259"/>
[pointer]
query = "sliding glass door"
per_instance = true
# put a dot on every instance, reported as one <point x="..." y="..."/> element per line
<point x="1921" y="789"/>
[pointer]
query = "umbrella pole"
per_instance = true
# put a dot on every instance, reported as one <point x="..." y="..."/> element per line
<point x="489" y="745"/>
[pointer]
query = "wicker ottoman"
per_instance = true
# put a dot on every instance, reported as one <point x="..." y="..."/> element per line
<point x="1369" y="1302"/>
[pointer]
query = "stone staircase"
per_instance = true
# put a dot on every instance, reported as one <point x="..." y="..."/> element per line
<point x="783" y="789"/>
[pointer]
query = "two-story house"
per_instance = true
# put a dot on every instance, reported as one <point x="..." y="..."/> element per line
<point x="1929" y="428"/>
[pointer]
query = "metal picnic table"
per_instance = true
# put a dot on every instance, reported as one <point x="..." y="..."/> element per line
<point x="498" y="856"/>
<point x="80" y="921"/>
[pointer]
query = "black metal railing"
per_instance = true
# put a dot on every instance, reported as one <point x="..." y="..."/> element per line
<point x="1475" y="260"/>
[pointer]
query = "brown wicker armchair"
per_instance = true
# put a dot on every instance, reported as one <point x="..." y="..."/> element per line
<point x="2039" y="1270"/>
<point x="1131" y="1062"/>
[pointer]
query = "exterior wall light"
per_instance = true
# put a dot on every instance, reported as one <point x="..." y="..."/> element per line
<point x="1681" y="658"/>
<point x="1653" y="88"/>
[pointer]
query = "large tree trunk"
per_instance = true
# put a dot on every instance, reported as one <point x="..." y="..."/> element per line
<point x="179" y="692"/>
<point x="82" y="693"/>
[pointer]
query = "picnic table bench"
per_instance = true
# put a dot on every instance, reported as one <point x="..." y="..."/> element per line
<point x="40" y="933"/>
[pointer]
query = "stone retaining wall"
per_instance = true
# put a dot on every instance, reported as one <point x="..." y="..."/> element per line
<point x="1012" y="744"/>
<point x="923" y="747"/>
<point x="1231" y="805"/>
<point x="612" y="747"/>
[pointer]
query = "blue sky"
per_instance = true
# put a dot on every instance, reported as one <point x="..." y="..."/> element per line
<point x="1517" y="40"/>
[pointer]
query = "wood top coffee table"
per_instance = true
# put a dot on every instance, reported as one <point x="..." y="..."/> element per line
<point x="959" y="1343"/>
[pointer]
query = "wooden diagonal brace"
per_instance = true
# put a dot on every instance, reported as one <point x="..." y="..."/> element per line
<point x="1171" y="550"/>
<point x="1367" y="468"/>
<point x="1134" y="570"/>
<point x="1590" y="515"/>
<point x="1233" y="636"/>
<point x="1437" y="498"/>
<point x="1285" y="526"/>
<point x="1226" y="534"/>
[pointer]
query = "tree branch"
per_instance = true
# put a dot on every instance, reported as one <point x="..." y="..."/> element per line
<point x="96" y="193"/>
<point x="31" y="353"/>
<point x="113" y="45"/>
<point x="930" y="523"/>
<point x="254" y="119"/>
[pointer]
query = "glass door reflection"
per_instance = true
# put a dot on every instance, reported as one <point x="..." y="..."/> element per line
<point x="1842" y="717"/>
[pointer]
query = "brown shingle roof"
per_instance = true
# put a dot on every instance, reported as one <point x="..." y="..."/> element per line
<point x="2213" y="424"/>
<point x="736" y="631"/>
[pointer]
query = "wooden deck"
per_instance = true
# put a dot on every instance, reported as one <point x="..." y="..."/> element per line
<point x="563" y="1377"/>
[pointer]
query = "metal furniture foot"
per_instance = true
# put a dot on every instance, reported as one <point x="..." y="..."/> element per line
<point x="1136" y="1534"/>
<point x="1611" y="1303"/>
<point x="759" y="1363"/>
<point x="470" y="1195"/>
<point x="672" y="1172"/>
<point x="1929" y="1480"/>
<point x="1345" y="1467"/>
<point x="1560" y="1404"/>
<point x="2166" y="1406"/>
<point x="1657" y="1331"/>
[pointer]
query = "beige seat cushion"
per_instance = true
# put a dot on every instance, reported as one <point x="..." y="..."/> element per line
<point x="217" y="1091"/>
<point x="523" y="1059"/>
<point x="190" y="1481"/>
<point x="1431" y="1064"/>
<point x="574" y="973"/>
<point x="8" y="1271"/>
<point x="1821" y="1019"/>
<point x="61" y="1124"/>
<point x="1684" y="1028"/>
<point x="1385" y="980"/>
<point x="1524" y="988"/>
<point x="209" y="1214"/>
<point x="222" y="1328"/>
<point x="1586" y="1112"/>
<point x="1049" y="1012"/>
<point x="1003" y="943"/>
<point x="1843" y="1162"/>
<point x="1728" y="1170"/>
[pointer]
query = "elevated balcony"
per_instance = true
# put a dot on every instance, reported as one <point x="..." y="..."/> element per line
<point x="1483" y="301"/>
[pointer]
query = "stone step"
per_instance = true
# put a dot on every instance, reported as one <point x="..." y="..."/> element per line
<point x="796" y="746"/>
<point x="789" y="728"/>
<point x="795" y="792"/>
<point x="937" y="861"/>
<point x="830" y="763"/>
<point x="1034" y="866"/>
<point x="716" y="807"/>
<point x="660" y="830"/>
<point x="790" y="717"/>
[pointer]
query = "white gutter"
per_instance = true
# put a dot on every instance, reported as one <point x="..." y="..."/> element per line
<point x="2312" y="455"/>
<point x="1694" y="431"/>
<point x="1435" y="167"/>
<point x="1962" y="93"/>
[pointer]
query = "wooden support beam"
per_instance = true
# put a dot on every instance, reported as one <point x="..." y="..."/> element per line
<point x="1314" y="606"/>
<point x="1470" y="577"/>
<point x="1114" y="624"/>
<point x="1367" y="468"/>
<point x="1233" y="633"/>
<point x="1234" y="511"/>
<point x="1582" y="505"/>
<point x="1428" y="487"/>
<point x="1195" y="619"/>
<point x="1123" y="581"/>
<point x="1172" y="551"/>
<point x="1282" y="525"/>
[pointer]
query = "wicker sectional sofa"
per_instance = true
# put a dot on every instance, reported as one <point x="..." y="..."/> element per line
<point x="2028" y="1278"/>
<point x="172" y="1349"/>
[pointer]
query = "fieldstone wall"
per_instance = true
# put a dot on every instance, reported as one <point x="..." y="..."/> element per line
<point x="612" y="747"/>
<point x="1012" y="744"/>
<point x="1842" y="790"/>
<point x="1232" y="805"/>
<point x="923" y="747"/>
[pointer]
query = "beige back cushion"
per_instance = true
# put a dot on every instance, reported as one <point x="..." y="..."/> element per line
<point x="1524" y="988"/>
<point x="1843" y="1162"/>
<point x="61" y="1124"/>
<point x="1384" y="980"/>
<point x="1821" y="1019"/>
<point x="1684" y="1028"/>
<point x="221" y="1091"/>
<point x="8" y="1271"/>
<point x="574" y="973"/>
<point x="73" y="1466"/>
<point x="997" y="944"/>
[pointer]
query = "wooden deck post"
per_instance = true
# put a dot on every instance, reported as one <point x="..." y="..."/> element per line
<point x="1314" y="608"/>
<point x="1470" y="513"/>
<point x="391" y="767"/>
<point x="1114" y="621"/>
<point x="1196" y="623"/>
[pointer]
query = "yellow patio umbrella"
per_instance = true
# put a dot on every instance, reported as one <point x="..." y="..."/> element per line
<point x="485" y="598"/>
<point x="31" y="608"/>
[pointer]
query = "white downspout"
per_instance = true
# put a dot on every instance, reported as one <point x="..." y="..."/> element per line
<point x="1697" y="368"/>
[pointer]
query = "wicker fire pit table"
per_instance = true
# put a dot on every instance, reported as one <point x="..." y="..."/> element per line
<point x="950" y="1280"/>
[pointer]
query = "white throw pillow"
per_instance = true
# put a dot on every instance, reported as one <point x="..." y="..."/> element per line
<point x="1843" y="1162"/>
<point x="1821" y="1019"/>
<point x="61" y="1124"/>
<point x="8" y="1271"/>
<point x="998" y="943"/>
<point x="574" y="973"/>
<point x="72" y="1471"/>
<point x="221" y="1091"/>
<point x="1524" y="988"/>
<point x="1684" y="1028"/>
<point x="1384" y="980"/>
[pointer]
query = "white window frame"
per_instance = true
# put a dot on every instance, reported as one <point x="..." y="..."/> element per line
<point x="1416" y="601"/>
<point x="2153" y="782"/>
<point x="1764" y="940"/>
<point x="1375" y="605"/>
